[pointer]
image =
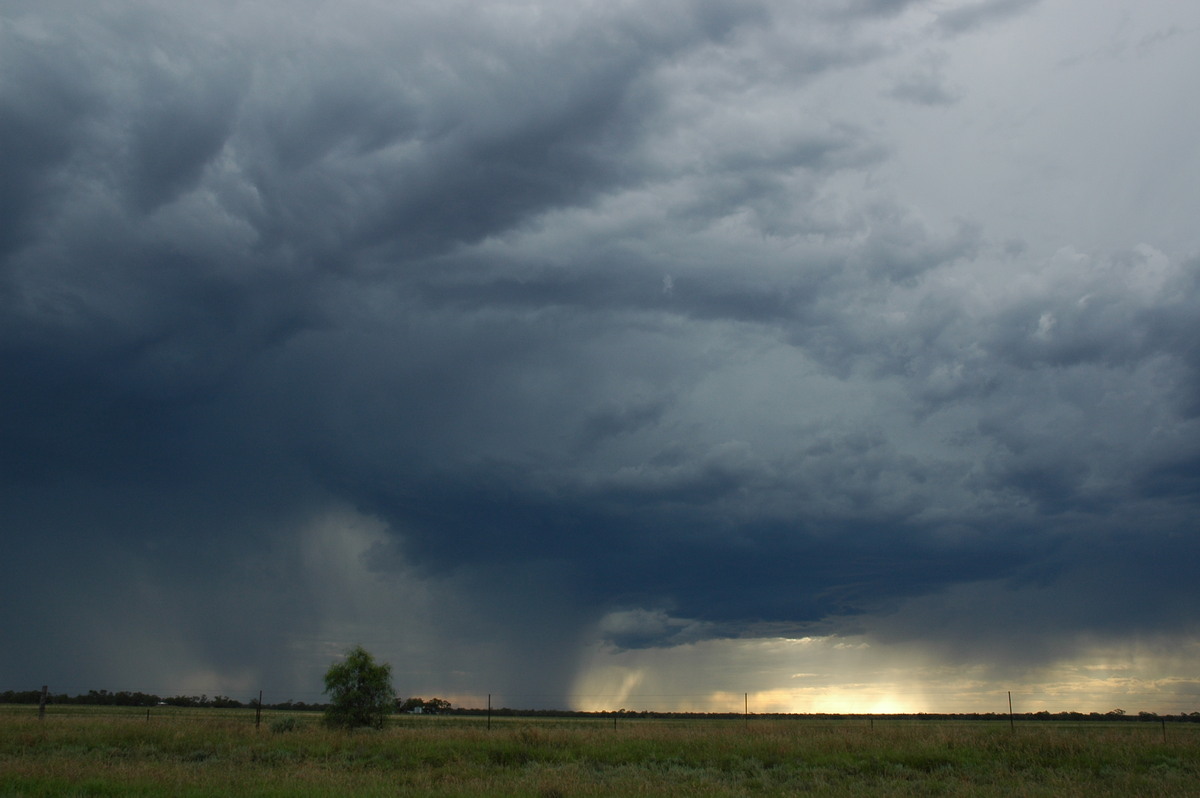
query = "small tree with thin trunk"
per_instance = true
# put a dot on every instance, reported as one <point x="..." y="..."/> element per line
<point x="360" y="691"/>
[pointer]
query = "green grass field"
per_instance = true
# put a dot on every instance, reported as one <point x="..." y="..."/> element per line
<point x="81" y="751"/>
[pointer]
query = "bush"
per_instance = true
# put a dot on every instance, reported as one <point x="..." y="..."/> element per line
<point x="284" y="724"/>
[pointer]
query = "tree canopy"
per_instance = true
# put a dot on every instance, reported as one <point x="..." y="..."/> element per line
<point x="360" y="691"/>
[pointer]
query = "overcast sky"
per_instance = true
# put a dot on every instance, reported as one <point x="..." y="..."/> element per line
<point x="624" y="354"/>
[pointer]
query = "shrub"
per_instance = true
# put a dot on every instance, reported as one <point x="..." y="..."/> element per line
<point x="284" y="724"/>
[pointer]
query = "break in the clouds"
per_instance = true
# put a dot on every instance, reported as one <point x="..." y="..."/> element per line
<point x="561" y="350"/>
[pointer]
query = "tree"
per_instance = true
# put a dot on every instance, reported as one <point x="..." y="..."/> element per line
<point x="360" y="691"/>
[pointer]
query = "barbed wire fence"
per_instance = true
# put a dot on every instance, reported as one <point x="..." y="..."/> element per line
<point x="174" y="703"/>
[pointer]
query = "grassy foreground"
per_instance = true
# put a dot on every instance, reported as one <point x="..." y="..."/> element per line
<point x="210" y="753"/>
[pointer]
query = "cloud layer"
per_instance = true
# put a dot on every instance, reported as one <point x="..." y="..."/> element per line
<point x="487" y="336"/>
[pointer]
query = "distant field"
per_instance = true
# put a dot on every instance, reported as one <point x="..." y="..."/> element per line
<point x="107" y="751"/>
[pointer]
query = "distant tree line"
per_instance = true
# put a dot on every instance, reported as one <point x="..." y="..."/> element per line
<point x="126" y="698"/>
<point x="439" y="706"/>
<point x="434" y="706"/>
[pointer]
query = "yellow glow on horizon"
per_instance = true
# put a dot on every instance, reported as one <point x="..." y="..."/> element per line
<point x="857" y="676"/>
<point x="858" y="699"/>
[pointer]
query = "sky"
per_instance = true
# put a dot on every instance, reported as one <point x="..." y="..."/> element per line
<point x="834" y="356"/>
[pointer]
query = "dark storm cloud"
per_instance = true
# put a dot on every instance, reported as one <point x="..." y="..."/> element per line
<point x="549" y="323"/>
<point x="470" y="150"/>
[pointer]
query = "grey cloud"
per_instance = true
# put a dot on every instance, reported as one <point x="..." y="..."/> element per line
<point x="925" y="87"/>
<point x="869" y="8"/>
<point x="1120" y="314"/>
<point x="1079" y="595"/>
<point x="967" y="18"/>
<point x="1152" y="41"/>
<point x="923" y="91"/>
<point x="40" y="124"/>
<point x="174" y="140"/>
<point x="731" y="541"/>
<point x="900" y="249"/>
<point x="612" y="422"/>
<point x="640" y="628"/>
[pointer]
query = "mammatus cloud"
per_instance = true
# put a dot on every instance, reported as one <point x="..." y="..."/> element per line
<point x="537" y="347"/>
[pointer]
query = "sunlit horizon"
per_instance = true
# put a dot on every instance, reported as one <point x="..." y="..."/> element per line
<point x="1098" y="680"/>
